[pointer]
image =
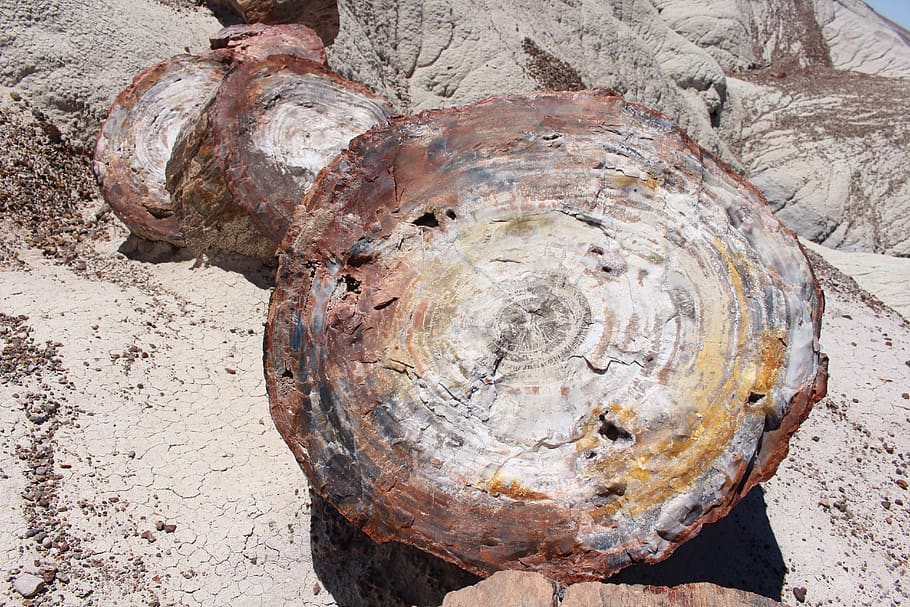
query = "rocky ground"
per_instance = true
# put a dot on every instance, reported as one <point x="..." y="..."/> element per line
<point x="138" y="464"/>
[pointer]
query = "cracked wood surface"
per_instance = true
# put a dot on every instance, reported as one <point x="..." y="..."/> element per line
<point x="542" y="332"/>
<point x="137" y="140"/>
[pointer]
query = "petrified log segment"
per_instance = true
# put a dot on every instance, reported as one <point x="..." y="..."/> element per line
<point x="321" y="15"/>
<point x="207" y="215"/>
<point x="524" y="589"/>
<point x="275" y="124"/>
<point x="136" y="140"/>
<point x="539" y="332"/>
<point x="258" y="41"/>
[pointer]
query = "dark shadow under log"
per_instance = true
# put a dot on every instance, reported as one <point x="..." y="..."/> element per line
<point x="361" y="573"/>
<point x="540" y="332"/>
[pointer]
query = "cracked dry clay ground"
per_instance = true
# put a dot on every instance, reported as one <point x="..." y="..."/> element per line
<point x="173" y="485"/>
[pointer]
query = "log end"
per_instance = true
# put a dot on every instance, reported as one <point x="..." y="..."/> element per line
<point x="542" y="332"/>
<point x="136" y="140"/>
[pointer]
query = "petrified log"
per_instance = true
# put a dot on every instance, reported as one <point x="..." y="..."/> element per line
<point x="137" y="139"/>
<point x="321" y="15"/>
<point x="258" y="41"/>
<point x="539" y="332"/>
<point x="274" y="124"/>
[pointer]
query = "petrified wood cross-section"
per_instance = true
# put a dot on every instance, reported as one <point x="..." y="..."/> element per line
<point x="274" y="125"/>
<point x="137" y="139"/>
<point x="539" y="332"/>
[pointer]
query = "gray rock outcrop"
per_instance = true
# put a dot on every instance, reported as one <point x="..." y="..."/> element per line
<point x="52" y="53"/>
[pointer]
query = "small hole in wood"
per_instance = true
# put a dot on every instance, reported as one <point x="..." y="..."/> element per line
<point x="754" y="397"/>
<point x="613" y="489"/>
<point x="351" y="283"/>
<point x="451" y="214"/>
<point x="612" y="432"/>
<point x="427" y="220"/>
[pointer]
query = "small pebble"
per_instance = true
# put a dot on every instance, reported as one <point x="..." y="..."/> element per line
<point x="28" y="585"/>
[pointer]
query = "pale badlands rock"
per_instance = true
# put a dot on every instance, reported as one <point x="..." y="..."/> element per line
<point x="427" y="54"/>
<point x="829" y="150"/>
<point x="748" y="34"/>
<point x="884" y="276"/>
<point x="70" y="58"/>
<point x="28" y="585"/>
<point x="861" y="40"/>
<point x="562" y="342"/>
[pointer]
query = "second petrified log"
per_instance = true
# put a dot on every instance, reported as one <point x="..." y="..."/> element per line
<point x="238" y="176"/>
<point x="539" y="332"/>
<point x="258" y="41"/>
<point x="137" y="139"/>
<point x="321" y="15"/>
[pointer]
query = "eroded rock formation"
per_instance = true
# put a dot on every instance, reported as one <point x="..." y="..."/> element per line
<point x="539" y="332"/>
<point x="689" y="60"/>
